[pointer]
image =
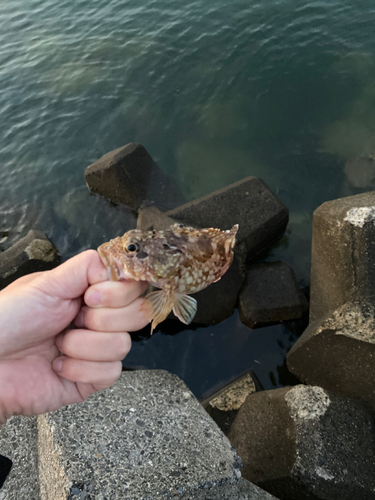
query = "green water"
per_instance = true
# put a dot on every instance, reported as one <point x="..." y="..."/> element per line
<point x="283" y="90"/>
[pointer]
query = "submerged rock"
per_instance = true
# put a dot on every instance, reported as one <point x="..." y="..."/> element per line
<point x="30" y="254"/>
<point x="271" y="294"/>
<point x="360" y="172"/>
<point x="223" y="404"/>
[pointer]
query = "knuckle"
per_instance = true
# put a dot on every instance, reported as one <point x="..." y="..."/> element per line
<point x="94" y="319"/>
<point x="71" y="369"/>
<point x="123" y="345"/>
<point x="116" y="371"/>
<point x="109" y="376"/>
<point x="66" y="344"/>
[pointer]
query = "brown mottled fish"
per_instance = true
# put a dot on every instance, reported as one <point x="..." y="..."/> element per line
<point x="179" y="260"/>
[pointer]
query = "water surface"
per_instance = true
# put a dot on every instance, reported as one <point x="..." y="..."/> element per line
<point x="280" y="89"/>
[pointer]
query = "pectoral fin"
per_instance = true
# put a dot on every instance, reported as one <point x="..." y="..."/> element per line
<point x="184" y="308"/>
<point x="157" y="306"/>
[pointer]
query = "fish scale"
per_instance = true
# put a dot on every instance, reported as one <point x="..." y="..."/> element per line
<point x="179" y="261"/>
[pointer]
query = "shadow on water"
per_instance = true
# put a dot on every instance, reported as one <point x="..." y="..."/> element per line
<point x="207" y="356"/>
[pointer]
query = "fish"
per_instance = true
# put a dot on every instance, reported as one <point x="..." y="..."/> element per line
<point x="178" y="261"/>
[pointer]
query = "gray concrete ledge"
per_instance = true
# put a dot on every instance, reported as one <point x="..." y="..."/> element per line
<point x="145" y="438"/>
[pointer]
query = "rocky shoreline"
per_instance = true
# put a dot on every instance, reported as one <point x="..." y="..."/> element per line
<point x="149" y="438"/>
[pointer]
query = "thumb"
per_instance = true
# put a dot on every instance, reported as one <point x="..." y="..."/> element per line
<point x="72" y="278"/>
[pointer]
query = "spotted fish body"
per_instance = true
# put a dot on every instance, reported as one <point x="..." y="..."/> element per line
<point x="179" y="261"/>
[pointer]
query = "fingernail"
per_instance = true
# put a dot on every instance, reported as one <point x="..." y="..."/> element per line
<point x="79" y="319"/>
<point x="94" y="298"/>
<point x="57" y="364"/>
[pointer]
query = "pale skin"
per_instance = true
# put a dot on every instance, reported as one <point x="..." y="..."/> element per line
<point x="63" y="334"/>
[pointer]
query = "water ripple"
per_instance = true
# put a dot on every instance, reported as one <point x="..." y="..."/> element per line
<point x="81" y="78"/>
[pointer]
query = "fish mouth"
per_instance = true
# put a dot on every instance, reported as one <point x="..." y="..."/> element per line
<point x="116" y="270"/>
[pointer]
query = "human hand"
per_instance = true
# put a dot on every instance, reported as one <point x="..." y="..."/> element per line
<point x="46" y="363"/>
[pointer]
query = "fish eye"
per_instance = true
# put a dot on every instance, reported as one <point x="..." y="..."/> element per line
<point x="133" y="247"/>
<point x="181" y="226"/>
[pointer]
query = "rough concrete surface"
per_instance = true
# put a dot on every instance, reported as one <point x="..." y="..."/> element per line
<point x="18" y="441"/>
<point x="147" y="437"/>
<point x="30" y="254"/>
<point x="270" y="294"/>
<point x="260" y="214"/>
<point x="305" y="443"/>
<point x="242" y="490"/>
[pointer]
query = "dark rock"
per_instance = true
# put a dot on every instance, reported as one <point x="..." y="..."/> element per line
<point x="271" y="293"/>
<point x="304" y="443"/>
<point x="121" y="175"/>
<point x="360" y="172"/>
<point x="216" y="302"/>
<point x="223" y="404"/>
<point x="5" y="466"/>
<point x="129" y="175"/>
<point x="260" y="214"/>
<point x="30" y="254"/>
<point x="150" y="218"/>
<point x="337" y="349"/>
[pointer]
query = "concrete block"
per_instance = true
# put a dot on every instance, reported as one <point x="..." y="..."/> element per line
<point x="242" y="490"/>
<point x="146" y="437"/>
<point x="150" y="218"/>
<point x="337" y="349"/>
<point x="338" y="352"/>
<point x="343" y="253"/>
<point x="271" y="294"/>
<point x="18" y="441"/>
<point x="30" y="254"/>
<point x="304" y="443"/>
<point x="260" y="214"/>
<point x="129" y="175"/>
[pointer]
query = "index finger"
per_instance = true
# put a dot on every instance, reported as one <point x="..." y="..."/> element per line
<point x="114" y="293"/>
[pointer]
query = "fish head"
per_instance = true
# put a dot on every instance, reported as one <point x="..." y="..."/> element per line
<point x="141" y="256"/>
